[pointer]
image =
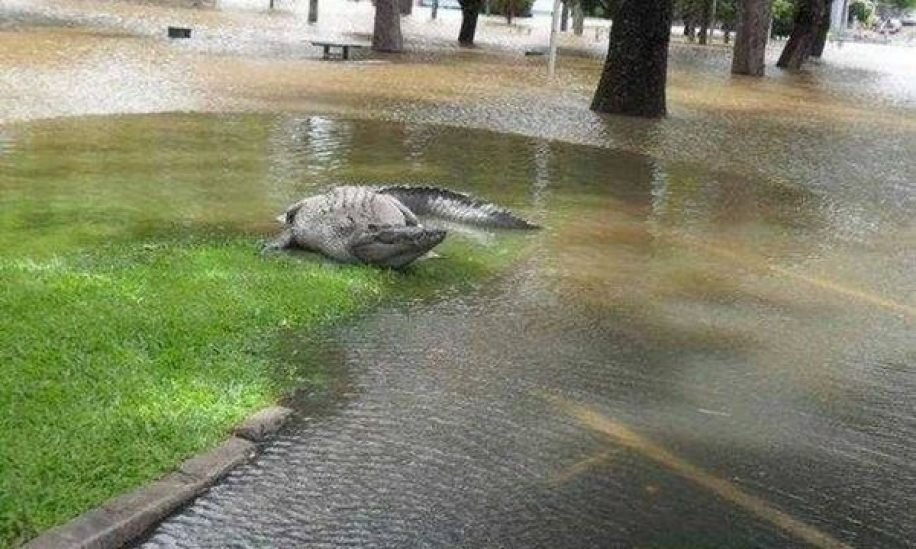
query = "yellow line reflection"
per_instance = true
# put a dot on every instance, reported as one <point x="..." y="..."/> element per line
<point x="580" y="467"/>
<point x="721" y="487"/>
<point x="817" y="282"/>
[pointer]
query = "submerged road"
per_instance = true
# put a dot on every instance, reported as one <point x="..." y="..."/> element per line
<point x="501" y="420"/>
<point x="711" y="345"/>
<point x="632" y="387"/>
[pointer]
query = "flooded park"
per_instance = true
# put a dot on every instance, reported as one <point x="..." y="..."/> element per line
<point x="709" y="343"/>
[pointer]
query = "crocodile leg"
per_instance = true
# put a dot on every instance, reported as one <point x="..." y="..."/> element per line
<point x="282" y="242"/>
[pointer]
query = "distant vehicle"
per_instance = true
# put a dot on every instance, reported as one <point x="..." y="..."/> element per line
<point x="909" y="20"/>
<point x="890" y="26"/>
<point x="443" y="4"/>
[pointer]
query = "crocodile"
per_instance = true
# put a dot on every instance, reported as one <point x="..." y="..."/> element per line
<point x="380" y="225"/>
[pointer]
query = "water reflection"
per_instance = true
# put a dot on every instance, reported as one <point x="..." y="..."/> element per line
<point x="844" y="126"/>
<point x="6" y="142"/>
<point x="734" y="283"/>
<point x="324" y="143"/>
<point x="721" y="317"/>
<point x="417" y="139"/>
<point x="540" y="187"/>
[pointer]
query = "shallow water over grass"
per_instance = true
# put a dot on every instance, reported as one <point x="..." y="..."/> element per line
<point x="759" y="329"/>
<point x="139" y="320"/>
<point x="688" y="356"/>
<point x="752" y="322"/>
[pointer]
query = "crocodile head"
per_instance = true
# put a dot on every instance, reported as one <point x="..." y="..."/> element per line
<point x="394" y="246"/>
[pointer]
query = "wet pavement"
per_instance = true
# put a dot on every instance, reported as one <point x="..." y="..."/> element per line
<point x="711" y="344"/>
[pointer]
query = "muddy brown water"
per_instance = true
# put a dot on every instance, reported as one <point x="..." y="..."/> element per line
<point x="687" y="357"/>
<point x="710" y="344"/>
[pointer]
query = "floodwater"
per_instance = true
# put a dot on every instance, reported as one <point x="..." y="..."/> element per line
<point x="687" y="357"/>
<point x="711" y="343"/>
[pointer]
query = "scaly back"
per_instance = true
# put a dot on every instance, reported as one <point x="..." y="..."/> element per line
<point x="456" y="206"/>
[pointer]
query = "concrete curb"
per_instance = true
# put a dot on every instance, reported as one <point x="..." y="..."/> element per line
<point x="124" y="518"/>
<point x="263" y="424"/>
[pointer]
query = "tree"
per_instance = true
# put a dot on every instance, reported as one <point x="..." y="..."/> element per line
<point x="727" y="15"/>
<point x="513" y="8"/>
<point x="749" y="55"/>
<point x="704" y="13"/>
<point x="313" y="11"/>
<point x="685" y="11"/>
<point x="578" y="16"/>
<point x="386" y="35"/>
<point x="808" y="17"/>
<point x="699" y="14"/>
<point x="861" y="12"/>
<point x="634" y="75"/>
<point x="820" y="41"/>
<point x="599" y="8"/>
<point x="470" y="9"/>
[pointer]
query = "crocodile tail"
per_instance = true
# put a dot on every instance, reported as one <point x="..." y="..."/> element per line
<point x="456" y="206"/>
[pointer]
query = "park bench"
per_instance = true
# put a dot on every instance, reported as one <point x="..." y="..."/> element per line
<point x="344" y="48"/>
<point x="179" y="32"/>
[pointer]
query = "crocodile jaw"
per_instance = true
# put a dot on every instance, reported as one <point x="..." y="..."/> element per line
<point x="394" y="247"/>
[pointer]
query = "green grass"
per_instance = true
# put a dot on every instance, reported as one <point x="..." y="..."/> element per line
<point x="120" y="363"/>
<point x="137" y="321"/>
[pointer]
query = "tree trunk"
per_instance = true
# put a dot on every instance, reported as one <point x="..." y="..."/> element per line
<point x="749" y="56"/>
<point x="704" y="22"/>
<point x="689" y="23"/>
<point x="313" y="11"/>
<point x="405" y="7"/>
<point x="470" y="9"/>
<point x="510" y="11"/>
<point x="820" y="42"/>
<point x="386" y="35"/>
<point x="435" y="8"/>
<point x="690" y="31"/>
<point x="633" y="80"/>
<point x="578" y="17"/>
<point x="804" y="33"/>
<point x="564" y="17"/>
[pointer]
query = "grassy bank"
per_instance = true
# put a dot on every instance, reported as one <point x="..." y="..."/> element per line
<point x="137" y="320"/>
<point x="119" y="364"/>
